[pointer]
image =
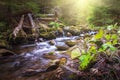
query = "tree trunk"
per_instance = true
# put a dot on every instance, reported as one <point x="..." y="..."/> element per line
<point x="19" y="27"/>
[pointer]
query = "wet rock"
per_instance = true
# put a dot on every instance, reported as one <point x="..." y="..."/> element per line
<point x="49" y="56"/>
<point x="18" y="40"/>
<point x="52" y="42"/>
<point x="51" y="66"/>
<point x="40" y="39"/>
<point x="74" y="30"/>
<point x="48" y="35"/>
<point x="75" y="53"/>
<point x="87" y="35"/>
<point x="62" y="46"/>
<point x="71" y="42"/>
<point x="5" y="52"/>
<point x="29" y="73"/>
<point x="60" y="32"/>
<point x="30" y="38"/>
<point x="68" y="34"/>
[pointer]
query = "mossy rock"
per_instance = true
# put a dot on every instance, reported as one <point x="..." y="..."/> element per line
<point x="4" y="44"/>
<point x="18" y="40"/>
<point x="74" y="30"/>
<point x="48" y="35"/>
<point x="62" y="47"/>
<point x="71" y="42"/>
<point x="52" y="42"/>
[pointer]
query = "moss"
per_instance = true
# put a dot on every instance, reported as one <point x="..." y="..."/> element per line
<point x="48" y="35"/>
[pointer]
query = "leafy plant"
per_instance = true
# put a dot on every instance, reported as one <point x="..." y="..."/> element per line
<point x="51" y="53"/>
<point x="32" y="6"/>
<point x="55" y="24"/>
<point x="85" y="60"/>
<point x="112" y="27"/>
<point x="3" y="26"/>
<point x="101" y="42"/>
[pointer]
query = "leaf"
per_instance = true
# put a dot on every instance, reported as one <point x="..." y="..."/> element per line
<point x="82" y="57"/>
<point x="108" y="36"/>
<point x="115" y="41"/>
<point x="75" y="53"/>
<point x="52" y="23"/>
<point x="85" y="60"/>
<point x="99" y="34"/>
<point x="110" y="46"/>
<point x="105" y="46"/>
<point x="118" y="32"/>
<point x="93" y="49"/>
<point x="110" y="27"/>
<point x="114" y="36"/>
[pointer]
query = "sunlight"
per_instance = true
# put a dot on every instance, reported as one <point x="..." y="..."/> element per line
<point x="82" y="4"/>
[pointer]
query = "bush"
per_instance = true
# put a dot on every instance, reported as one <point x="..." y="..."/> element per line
<point x="3" y="26"/>
<point x="100" y="16"/>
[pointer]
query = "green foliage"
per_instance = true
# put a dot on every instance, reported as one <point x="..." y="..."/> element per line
<point x="99" y="35"/>
<point x="85" y="60"/>
<point x="118" y="32"/>
<point x="102" y="42"/>
<point x="104" y="14"/>
<point x="108" y="45"/>
<point x="112" y="27"/>
<point x="51" y="53"/>
<point x="3" y="26"/>
<point x="100" y="16"/>
<point x="16" y="7"/>
<point x="55" y="24"/>
<point x="33" y="6"/>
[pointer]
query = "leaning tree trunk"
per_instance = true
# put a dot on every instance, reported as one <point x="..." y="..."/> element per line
<point x="19" y="27"/>
<point x="34" y="28"/>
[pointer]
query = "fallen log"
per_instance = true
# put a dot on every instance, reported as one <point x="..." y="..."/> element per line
<point x="47" y="19"/>
<point x="46" y="15"/>
<point x="31" y="20"/>
<point x="19" y="27"/>
<point x="35" y="31"/>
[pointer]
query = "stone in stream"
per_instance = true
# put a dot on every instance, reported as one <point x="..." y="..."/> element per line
<point x="62" y="46"/>
<point x="68" y="34"/>
<point x="52" y="42"/>
<point x="50" y="67"/>
<point x="48" y="35"/>
<point x="5" y="52"/>
<point x="49" y="56"/>
<point x="74" y="30"/>
<point x="71" y="43"/>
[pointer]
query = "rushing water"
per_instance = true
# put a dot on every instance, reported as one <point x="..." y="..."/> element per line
<point x="30" y="59"/>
